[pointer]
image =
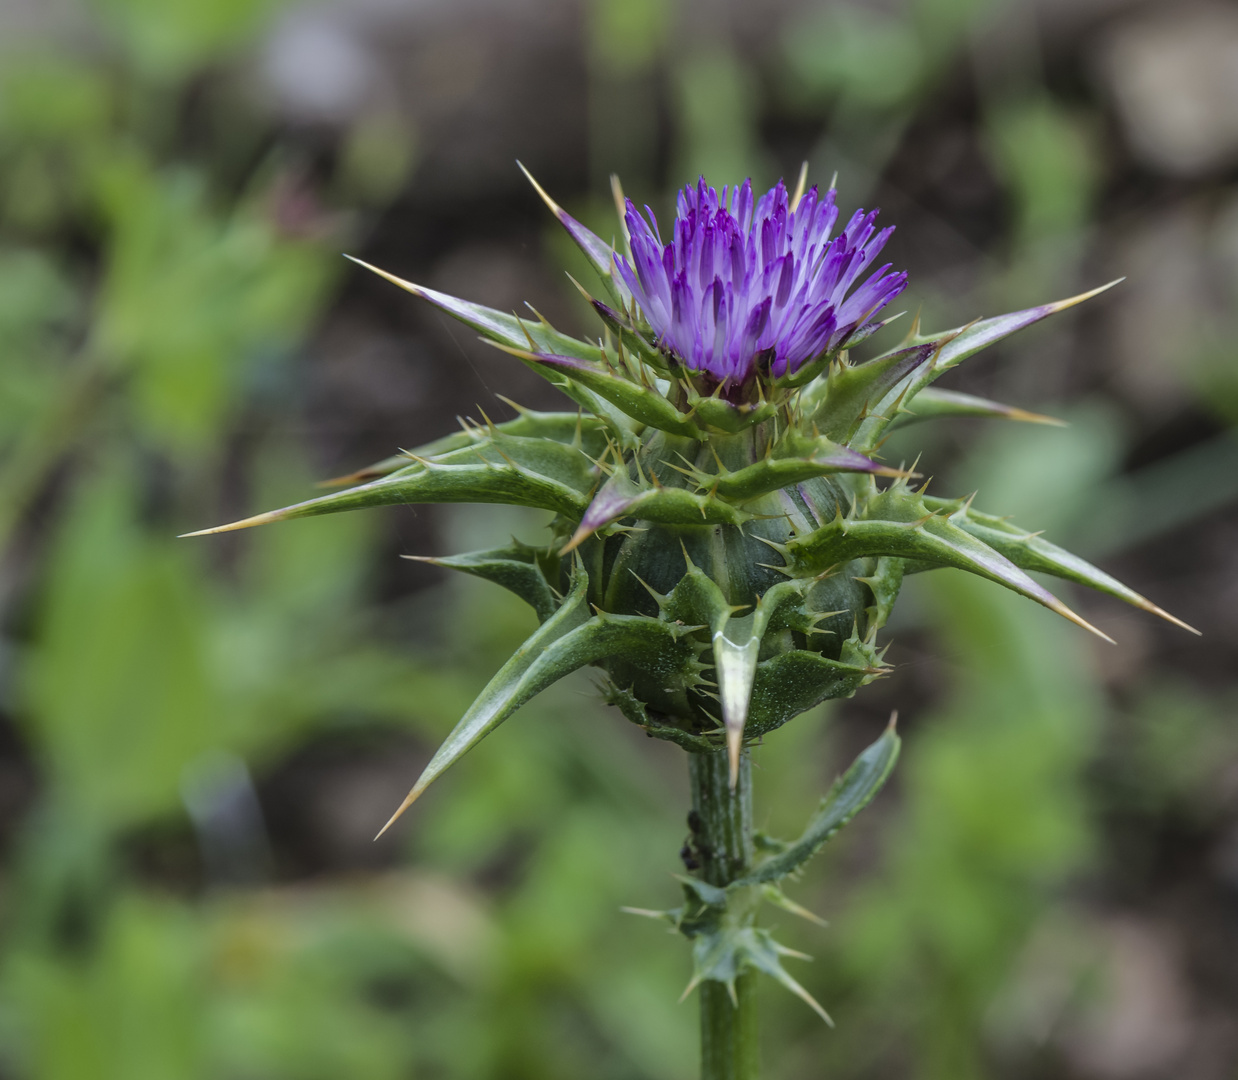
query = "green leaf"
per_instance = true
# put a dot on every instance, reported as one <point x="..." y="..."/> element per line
<point x="949" y="349"/>
<point x="567" y="641"/>
<point x="965" y="341"/>
<point x="599" y="253"/>
<point x="498" y="469"/>
<point x="839" y="403"/>
<point x="644" y="404"/>
<point x="793" y="460"/>
<point x="853" y="791"/>
<point x="908" y="530"/>
<point x="621" y="497"/>
<point x="531" y="669"/>
<point x="717" y="414"/>
<point x="737" y="646"/>
<point x="517" y="568"/>
<point x="696" y="600"/>
<point x="794" y="681"/>
<point x="1030" y="551"/>
<point x="934" y="404"/>
<point x="629" y="338"/>
<point x="721" y="952"/>
<point x="884" y="583"/>
<point x="494" y="325"/>
<point x="570" y="428"/>
<point x="634" y="710"/>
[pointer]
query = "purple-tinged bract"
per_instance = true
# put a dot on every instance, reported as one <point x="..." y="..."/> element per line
<point x="748" y="288"/>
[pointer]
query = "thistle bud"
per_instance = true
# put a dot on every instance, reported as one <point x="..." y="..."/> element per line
<point x="728" y="543"/>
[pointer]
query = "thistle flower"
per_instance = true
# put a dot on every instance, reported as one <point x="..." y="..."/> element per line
<point x="727" y="544"/>
<point x="744" y="288"/>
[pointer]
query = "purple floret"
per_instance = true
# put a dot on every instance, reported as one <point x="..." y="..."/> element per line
<point x="743" y="288"/>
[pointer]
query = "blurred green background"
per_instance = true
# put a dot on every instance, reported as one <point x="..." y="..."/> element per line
<point x="199" y="738"/>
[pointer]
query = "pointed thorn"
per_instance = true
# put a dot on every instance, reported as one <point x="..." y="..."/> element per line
<point x="1025" y="417"/>
<point x="408" y="286"/>
<point x="644" y="913"/>
<point x="686" y="557"/>
<point x="1154" y="609"/>
<point x="409" y="799"/>
<point x="244" y="523"/>
<point x="580" y="289"/>
<point x="913" y="331"/>
<point x="554" y="207"/>
<point x="693" y="983"/>
<point x="806" y="997"/>
<point x="1062" y="305"/>
<point x="1078" y="620"/>
<point x="777" y="897"/>
<point x="511" y="404"/>
<point x="578" y="537"/>
<point x="801" y="185"/>
<point x="616" y="193"/>
<point x="893" y="724"/>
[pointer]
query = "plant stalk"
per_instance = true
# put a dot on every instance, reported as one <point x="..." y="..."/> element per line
<point x="722" y="838"/>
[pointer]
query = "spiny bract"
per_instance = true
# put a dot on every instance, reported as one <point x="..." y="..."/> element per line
<point x="727" y="544"/>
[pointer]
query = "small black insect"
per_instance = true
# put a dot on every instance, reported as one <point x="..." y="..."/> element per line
<point x="688" y="855"/>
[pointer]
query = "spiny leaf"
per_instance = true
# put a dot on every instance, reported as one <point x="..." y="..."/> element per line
<point x="737" y="648"/>
<point x="932" y="403"/>
<point x="778" y="898"/>
<point x="838" y="403"/>
<point x="884" y="583"/>
<point x="533" y="667"/>
<point x="567" y="641"/>
<point x="795" y="459"/>
<point x="495" y="325"/>
<point x="930" y="539"/>
<point x="626" y="334"/>
<point x="721" y="953"/>
<point x="696" y="600"/>
<point x="508" y="469"/>
<point x="599" y="253"/>
<point x="634" y="709"/>
<point x="569" y="428"/>
<point x="792" y="682"/>
<point x="1029" y="551"/>
<point x="854" y="790"/>
<point x="644" y="404"/>
<point x="713" y="412"/>
<point x="950" y="348"/>
<point x="765" y="955"/>
<point x="968" y="340"/>
<point x="501" y="329"/>
<point x="517" y="568"/>
<point x="621" y="497"/>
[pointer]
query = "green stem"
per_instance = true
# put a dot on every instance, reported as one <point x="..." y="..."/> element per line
<point x="723" y="840"/>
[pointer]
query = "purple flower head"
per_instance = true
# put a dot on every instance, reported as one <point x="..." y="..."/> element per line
<point x="743" y="288"/>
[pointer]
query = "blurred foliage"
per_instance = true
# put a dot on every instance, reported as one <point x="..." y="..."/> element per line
<point x="158" y="280"/>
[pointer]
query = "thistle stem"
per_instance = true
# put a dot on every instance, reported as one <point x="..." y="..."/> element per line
<point x="722" y="828"/>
